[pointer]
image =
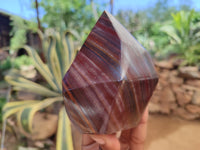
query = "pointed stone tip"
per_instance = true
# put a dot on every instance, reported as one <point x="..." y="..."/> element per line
<point x="106" y="12"/>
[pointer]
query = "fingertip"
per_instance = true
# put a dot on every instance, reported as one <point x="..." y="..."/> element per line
<point x="86" y="139"/>
<point x="88" y="143"/>
<point x="99" y="139"/>
<point x="107" y="142"/>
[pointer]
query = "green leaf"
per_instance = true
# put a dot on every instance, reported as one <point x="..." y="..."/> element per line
<point x="170" y="30"/>
<point x="13" y="107"/>
<point x="54" y="64"/>
<point x="20" y="83"/>
<point x="64" y="134"/>
<point x="18" y="40"/>
<point x="69" y="50"/>
<point x="25" y="115"/>
<point x="41" y="67"/>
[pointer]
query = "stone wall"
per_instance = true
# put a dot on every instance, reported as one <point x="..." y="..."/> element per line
<point x="178" y="91"/>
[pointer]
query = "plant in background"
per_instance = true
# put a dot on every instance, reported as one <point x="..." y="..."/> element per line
<point x="145" y="25"/>
<point x="79" y="15"/>
<point x="16" y="63"/>
<point x="184" y="36"/>
<point x="5" y="64"/>
<point x="2" y="103"/>
<point x="59" y="53"/>
<point x="20" y="27"/>
<point x="138" y="25"/>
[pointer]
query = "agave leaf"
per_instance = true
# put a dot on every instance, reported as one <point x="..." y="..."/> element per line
<point x="74" y="33"/>
<point x="20" y="83"/>
<point x="40" y="34"/>
<point x="41" y="67"/>
<point x="69" y="50"/>
<point x="54" y="64"/>
<point x="66" y="56"/>
<point x="13" y="107"/>
<point x="62" y="53"/>
<point x="64" y="134"/>
<point x="25" y="115"/>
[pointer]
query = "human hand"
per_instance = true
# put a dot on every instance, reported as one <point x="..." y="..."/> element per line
<point x="132" y="139"/>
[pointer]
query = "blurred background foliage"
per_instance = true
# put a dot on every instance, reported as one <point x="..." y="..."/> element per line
<point x="59" y="51"/>
<point x="155" y="27"/>
<point x="163" y="29"/>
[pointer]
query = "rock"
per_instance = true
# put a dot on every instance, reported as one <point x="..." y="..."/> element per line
<point x="26" y="148"/>
<point x="159" y="86"/>
<point x="167" y="95"/>
<point x="196" y="98"/>
<point x="175" y="80"/>
<point x="195" y="83"/>
<point x="154" y="107"/>
<point x="189" y="72"/>
<point x="184" y="114"/>
<point x="177" y="62"/>
<point x="46" y="144"/>
<point x="49" y="142"/>
<point x="173" y="106"/>
<point x="44" y="126"/>
<point x="164" y="64"/>
<point x="165" y="107"/>
<point x="190" y="88"/>
<point x="184" y="97"/>
<point x="164" y="75"/>
<point x="193" y="108"/>
<point x="28" y="71"/>
<point x="174" y="73"/>
<point x="163" y="83"/>
<point x="176" y="88"/>
<point x="39" y="144"/>
<point x="155" y="97"/>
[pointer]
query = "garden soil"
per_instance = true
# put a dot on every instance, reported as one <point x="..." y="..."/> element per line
<point x="172" y="133"/>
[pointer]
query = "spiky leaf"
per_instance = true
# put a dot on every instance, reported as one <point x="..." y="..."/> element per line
<point x="20" y="83"/>
<point x="25" y="115"/>
<point x="64" y="134"/>
<point x="13" y="107"/>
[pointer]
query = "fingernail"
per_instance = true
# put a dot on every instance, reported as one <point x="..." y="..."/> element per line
<point x="99" y="140"/>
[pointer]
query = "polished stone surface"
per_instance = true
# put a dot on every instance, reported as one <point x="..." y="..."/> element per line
<point x="111" y="80"/>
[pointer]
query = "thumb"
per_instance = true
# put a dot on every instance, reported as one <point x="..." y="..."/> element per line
<point x="107" y="142"/>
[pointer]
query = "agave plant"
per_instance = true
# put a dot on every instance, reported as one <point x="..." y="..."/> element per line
<point x="59" y="52"/>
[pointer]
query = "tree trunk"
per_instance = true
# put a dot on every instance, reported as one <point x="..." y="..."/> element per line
<point x="40" y="28"/>
<point x="37" y="12"/>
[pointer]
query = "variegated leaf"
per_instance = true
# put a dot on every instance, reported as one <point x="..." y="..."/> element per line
<point x="54" y="64"/>
<point x="41" y="67"/>
<point x="64" y="133"/>
<point x="20" y="83"/>
<point x="25" y="116"/>
<point x="13" y="107"/>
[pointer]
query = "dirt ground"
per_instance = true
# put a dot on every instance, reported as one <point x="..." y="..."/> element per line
<point x="164" y="133"/>
<point x="172" y="133"/>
